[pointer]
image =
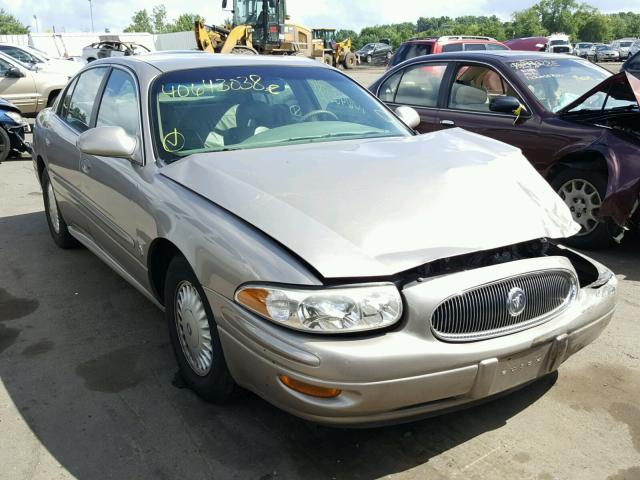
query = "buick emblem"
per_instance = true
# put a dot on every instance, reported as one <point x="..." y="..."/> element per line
<point x="516" y="301"/>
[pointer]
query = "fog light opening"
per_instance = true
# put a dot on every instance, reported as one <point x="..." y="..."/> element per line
<point x="307" y="389"/>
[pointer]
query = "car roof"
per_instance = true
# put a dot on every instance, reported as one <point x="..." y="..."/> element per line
<point x="496" y="55"/>
<point x="167" y="61"/>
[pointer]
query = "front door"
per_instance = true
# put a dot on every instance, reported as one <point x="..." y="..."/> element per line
<point x="110" y="185"/>
<point x="470" y="93"/>
<point x="21" y="91"/>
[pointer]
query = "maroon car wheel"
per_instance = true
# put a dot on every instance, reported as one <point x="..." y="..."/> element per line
<point x="584" y="191"/>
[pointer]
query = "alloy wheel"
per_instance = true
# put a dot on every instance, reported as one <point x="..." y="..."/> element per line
<point x="584" y="201"/>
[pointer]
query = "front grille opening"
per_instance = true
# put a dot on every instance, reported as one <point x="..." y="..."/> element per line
<point x="488" y="311"/>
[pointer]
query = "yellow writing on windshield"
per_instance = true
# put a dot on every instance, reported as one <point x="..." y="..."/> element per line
<point x="250" y="83"/>
<point x="173" y="141"/>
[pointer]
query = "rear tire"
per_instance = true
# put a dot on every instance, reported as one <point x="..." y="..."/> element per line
<point x="583" y="191"/>
<point x="5" y="144"/>
<point x="194" y="334"/>
<point x="57" y="225"/>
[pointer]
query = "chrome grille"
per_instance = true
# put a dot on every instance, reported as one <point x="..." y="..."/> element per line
<point x="483" y="312"/>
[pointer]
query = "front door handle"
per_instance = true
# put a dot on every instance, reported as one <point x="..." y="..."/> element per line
<point x="85" y="166"/>
<point x="448" y="123"/>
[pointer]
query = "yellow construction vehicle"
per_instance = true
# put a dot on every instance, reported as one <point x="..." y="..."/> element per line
<point x="259" y="27"/>
<point x="335" y="52"/>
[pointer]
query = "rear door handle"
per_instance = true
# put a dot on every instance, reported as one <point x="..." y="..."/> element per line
<point x="448" y="123"/>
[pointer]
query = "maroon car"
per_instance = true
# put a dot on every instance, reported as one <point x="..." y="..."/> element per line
<point x="576" y="123"/>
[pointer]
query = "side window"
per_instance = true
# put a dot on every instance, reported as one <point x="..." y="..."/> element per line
<point x="452" y="47"/>
<point x="83" y="98"/>
<point x="19" y="54"/>
<point x="495" y="46"/>
<point x="66" y="101"/>
<point x="4" y="67"/>
<point x="474" y="46"/>
<point x="388" y="89"/>
<point x="119" y="106"/>
<point x="420" y="85"/>
<point x="475" y="85"/>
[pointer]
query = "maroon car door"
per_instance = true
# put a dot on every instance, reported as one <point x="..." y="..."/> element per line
<point x="417" y="86"/>
<point x="472" y="87"/>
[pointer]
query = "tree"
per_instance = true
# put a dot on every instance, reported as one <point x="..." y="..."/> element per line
<point x="159" y="17"/>
<point x="526" y="23"/>
<point x="10" y="25"/>
<point x="140" y="22"/>
<point x="558" y="15"/>
<point x="595" y="28"/>
<point x="184" y="22"/>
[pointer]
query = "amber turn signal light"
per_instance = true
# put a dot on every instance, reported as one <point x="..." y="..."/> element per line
<point x="307" y="389"/>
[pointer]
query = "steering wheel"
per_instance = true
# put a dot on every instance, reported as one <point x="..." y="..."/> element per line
<point x="314" y="113"/>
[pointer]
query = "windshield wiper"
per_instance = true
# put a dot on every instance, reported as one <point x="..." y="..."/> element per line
<point x="330" y="135"/>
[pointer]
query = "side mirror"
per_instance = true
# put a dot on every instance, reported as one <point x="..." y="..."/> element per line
<point x="108" y="142"/>
<point x="409" y="116"/>
<point x="14" y="72"/>
<point x="504" y="105"/>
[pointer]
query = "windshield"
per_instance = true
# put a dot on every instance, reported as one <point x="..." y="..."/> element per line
<point x="368" y="46"/>
<point x="602" y="47"/>
<point x="559" y="42"/>
<point x="614" y="95"/>
<point x="243" y="107"/>
<point x="557" y="83"/>
<point x="585" y="45"/>
<point x="247" y="12"/>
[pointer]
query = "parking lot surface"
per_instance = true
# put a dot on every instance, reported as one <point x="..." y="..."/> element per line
<point x="88" y="389"/>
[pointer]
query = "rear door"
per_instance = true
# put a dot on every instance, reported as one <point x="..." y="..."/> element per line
<point x="417" y="86"/>
<point x="470" y="91"/>
<point x="72" y="117"/>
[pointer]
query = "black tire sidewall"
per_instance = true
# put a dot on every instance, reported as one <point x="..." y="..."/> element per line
<point x="217" y="385"/>
<point x="62" y="238"/>
<point x="600" y="237"/>
<point x="7" y="141"/>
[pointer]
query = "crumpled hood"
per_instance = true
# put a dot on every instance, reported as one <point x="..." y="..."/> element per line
<point x="368" y="208"/>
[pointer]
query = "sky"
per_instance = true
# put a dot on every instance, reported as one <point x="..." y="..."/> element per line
<point x="74" y="16"/>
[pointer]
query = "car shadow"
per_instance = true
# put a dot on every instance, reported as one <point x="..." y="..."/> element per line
<point x="623" y="259"/>
<point x="86" y="361"/>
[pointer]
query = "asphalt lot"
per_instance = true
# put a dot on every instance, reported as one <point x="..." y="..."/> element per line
<point x="88" y="389"/>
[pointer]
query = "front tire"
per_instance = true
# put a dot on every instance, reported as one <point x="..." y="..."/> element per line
<point x="5" y="144"/>
<point x="194" y="334"/>
<point x="583" y="191"/>
<point x="57" y="226"/>
<point x="350" y="61"/>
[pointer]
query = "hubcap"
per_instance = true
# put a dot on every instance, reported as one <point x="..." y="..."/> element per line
<point x="53" y="209"/>
<point x="193" y="328"/>
<point x="584" y="201"/>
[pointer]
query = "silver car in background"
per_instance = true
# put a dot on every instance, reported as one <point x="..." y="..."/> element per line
<point x="582" y="49"/>
<point x="623" y="46"/>
<point x="305" y="244"/>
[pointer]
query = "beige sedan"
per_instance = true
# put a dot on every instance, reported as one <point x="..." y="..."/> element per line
<point x="27" y="89"/>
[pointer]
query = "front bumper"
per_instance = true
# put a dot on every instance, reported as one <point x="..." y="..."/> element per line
<point x="406" y="373"/>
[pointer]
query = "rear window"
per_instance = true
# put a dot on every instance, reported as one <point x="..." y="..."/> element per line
<point x="411" y="50"/>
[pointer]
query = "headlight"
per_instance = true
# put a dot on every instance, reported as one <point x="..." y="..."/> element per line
<point x="16" y="117"/>
<point x="329" y="310"/>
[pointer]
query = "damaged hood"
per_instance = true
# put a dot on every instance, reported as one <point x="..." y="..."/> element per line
<point x="621" y="86"/>
<point x="369" y="208"/>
